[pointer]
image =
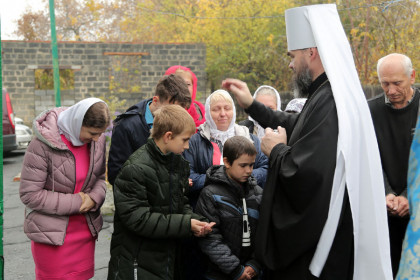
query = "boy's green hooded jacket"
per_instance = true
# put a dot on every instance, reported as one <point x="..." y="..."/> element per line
<point x="152" y="215"/>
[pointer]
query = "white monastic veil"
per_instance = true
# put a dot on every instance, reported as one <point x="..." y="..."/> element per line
<point x="358" y="161"/>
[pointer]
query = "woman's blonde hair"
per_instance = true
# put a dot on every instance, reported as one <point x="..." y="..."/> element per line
<point x="182" y="73"/>
<point x="220" y="95"/>
<point x="172" y="118"/>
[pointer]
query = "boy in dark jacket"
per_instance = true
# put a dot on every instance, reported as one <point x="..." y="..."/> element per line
<point x="152" y="214"/>
<point x="231" y="199"/>
<point x="132" y="128"/>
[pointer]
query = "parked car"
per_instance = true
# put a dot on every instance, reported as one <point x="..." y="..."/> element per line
<point x="18" y="120"/>
<point x="9" y="136"/>
<point x="23" y="135"/>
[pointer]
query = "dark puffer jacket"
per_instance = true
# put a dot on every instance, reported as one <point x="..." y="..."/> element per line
<point x="152" y="215"/>
<point x="220" y="201"/>
<point x="200" y="156"/>
<point x="130" y="133"/>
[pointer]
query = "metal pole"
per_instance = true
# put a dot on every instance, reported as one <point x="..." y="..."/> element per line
<point x="56" y="73"/>
<point x="1" y="172"/>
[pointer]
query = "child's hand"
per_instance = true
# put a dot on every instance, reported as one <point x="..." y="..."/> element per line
<point x="250" y="271"/>
<point x="201" y="229"/>
<point x="190" y="182"/>
<point x="208" y="228"/>
<point x="245" y="275"/>
<point x="197" y="227"/>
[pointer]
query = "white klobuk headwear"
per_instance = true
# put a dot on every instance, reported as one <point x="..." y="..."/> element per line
<point x="358" y="162"/>
<point x="298" y="29"/>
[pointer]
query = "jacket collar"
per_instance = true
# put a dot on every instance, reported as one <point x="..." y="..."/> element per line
<point x="319" y="81"/>
<point x="46" y="130"/>
<point x="217" y="175"/>
<point x="166" y="159"/>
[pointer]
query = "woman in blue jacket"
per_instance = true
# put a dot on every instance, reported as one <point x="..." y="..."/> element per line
<point x="206" y="145"/>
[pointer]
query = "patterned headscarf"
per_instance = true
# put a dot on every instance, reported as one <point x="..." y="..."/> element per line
<point x="295" y="105"/>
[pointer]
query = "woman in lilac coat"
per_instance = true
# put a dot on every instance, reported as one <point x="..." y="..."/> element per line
<point x="63" y="187"/>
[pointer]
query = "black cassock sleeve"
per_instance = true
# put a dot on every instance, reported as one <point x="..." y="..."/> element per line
<point x="269" y="118"/>
<point x="296" y="197"/>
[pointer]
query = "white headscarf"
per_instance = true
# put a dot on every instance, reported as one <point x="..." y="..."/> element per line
<point x="216" y="134"/>
<point x="359" y="171"/>
<point x="70" y="121"/>
<point x="260" y="130"/>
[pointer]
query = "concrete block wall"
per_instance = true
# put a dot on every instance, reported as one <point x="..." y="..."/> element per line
<point x="20" y="58"/>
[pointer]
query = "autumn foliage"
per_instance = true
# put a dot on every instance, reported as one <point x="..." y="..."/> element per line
<point x="244" y="38"/>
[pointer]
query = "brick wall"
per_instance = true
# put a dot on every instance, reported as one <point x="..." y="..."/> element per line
<point x="92" y="62"/>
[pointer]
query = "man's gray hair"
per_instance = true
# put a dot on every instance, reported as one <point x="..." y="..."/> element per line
<point x="405" y="61"/>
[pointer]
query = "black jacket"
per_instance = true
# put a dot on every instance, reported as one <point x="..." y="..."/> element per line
<point x="220" y="201"/>
<point x="130" y="133"/>
<point x="200" y="155"/>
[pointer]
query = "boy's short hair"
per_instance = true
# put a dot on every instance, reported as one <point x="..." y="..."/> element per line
<point x="237" y="146"/>
<point x="172" y="118"/>
<point x="174" y="89"/>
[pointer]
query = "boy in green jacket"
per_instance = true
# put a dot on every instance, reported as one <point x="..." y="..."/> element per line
<point x="152" y="214"/>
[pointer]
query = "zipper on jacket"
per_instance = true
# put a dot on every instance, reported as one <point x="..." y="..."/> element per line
<point x="170" y="184"/>
<point x="52" y="171"/>
<point x="136" y="266"/>
<point x="85" y="184"/>
<point x="93" y="225"/>
<point x="74" y="187"/>
<point x="135" y="263"/>
<point x="170" y="211"/>
<point x="90" y="167"/>
<point x="167" y="267"/>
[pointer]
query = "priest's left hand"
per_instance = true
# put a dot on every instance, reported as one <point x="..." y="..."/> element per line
<point x="272" y="138"/>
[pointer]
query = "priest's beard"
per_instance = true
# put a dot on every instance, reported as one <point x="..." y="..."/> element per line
<point x="302" y="80"/>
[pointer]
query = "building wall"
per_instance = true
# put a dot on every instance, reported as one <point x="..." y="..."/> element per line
<point x="92" y="63"/>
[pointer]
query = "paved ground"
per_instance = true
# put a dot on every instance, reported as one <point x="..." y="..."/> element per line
<point x="17" y="247"/>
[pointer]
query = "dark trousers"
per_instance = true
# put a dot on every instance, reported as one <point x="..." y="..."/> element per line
<point x="194" y="262"/>
<point x="397" y="227"/>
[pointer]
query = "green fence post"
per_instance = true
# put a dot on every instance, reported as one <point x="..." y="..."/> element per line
<point x="56" y="73"/>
